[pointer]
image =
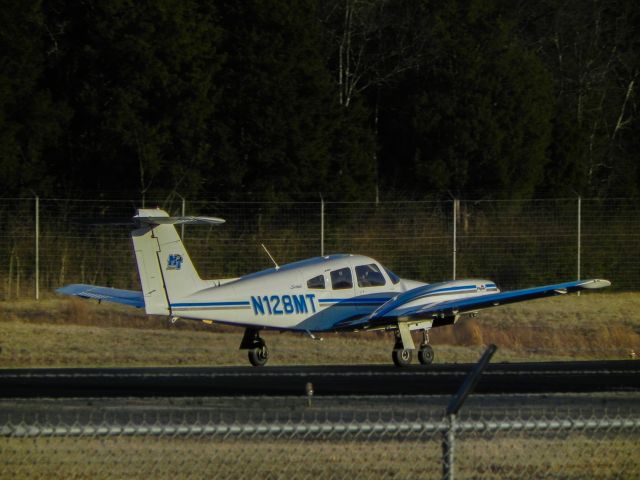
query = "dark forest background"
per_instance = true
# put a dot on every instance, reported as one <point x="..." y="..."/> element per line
<point x="293" y="99"/>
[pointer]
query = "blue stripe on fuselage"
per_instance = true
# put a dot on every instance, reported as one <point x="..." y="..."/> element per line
<point x="354" y="301"/>
<point x="211" y="304"/>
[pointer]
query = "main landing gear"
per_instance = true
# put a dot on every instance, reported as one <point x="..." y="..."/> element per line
<point x="256" y="347"/>
<point x="402" y="356"/>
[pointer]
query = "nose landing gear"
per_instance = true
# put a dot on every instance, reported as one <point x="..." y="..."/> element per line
<point x="402" y="356"/>
<point x="425" y="353"/>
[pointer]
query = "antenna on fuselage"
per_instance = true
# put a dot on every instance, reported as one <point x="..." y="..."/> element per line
<point x="274" y="262"/>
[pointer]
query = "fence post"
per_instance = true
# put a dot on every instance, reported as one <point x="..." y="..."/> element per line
<point x="321" y="226"/>
<point x="184" y="203"/>
<point x="448" y="446"/>
<point x="184" y="207"/>
<point x="579" y="237"/>
<point x="449" y="436"/>
<point x="456" y="210"/>
<point x="37" y="241"/>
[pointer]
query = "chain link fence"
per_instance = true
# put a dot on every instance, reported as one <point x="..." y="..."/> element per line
<point x="515" y="445"/>
<point x="516" y="243"/>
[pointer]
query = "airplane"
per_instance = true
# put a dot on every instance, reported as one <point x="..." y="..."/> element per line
<point x="331" y="293"/>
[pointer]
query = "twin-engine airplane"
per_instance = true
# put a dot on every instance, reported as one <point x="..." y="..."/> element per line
<point x="322" y="294"/>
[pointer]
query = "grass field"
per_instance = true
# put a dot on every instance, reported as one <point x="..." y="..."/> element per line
<point x="568" y="456"/>
<point x="73" y="332"/>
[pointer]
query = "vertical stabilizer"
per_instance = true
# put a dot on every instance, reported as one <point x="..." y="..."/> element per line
<point x="166" y="271"/>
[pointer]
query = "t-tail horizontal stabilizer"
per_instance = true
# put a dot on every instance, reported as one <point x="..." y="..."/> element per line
<point x="152" y="220"/>
<point x="149" y="219"/>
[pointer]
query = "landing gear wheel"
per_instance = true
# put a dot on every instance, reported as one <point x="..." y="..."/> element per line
<point x="401" y="357"/>
<point x="425" y="355"/>
<point x="258" y="356"/>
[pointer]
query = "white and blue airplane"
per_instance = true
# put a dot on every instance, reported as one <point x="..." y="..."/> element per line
<point x="321" y="294"/>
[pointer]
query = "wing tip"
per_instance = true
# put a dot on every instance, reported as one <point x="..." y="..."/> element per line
<point x="71" y="289"/>
<point x="595" y="283"/>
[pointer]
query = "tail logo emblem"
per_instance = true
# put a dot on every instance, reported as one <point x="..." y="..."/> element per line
<point x="174" y="262"/>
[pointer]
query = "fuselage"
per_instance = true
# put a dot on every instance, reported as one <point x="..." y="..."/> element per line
<point x="316" y="295"/>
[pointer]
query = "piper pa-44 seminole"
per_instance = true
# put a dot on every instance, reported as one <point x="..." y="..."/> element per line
<point x="323" y="294"/>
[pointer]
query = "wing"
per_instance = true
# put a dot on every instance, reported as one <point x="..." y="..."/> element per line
<point x="115" y="295"/>
<point x="396" y="309"/>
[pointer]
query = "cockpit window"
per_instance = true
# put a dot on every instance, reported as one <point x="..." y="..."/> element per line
<point x="341" y="279"/>
<point x="394" y="278"/>
<point x="316" y="282"/>
<point x="369" y="276"/>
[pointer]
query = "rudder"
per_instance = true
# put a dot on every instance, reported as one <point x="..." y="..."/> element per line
<point x="165" y="268"/>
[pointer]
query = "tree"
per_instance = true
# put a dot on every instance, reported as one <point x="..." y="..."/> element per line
<point x="372" y="42"/>
<point x="592" y="50"/>
<point x="286" y="131"/>
<point x="475" y="120"/>
<point x="30" y="120"/>
<point x="141" y="81"/>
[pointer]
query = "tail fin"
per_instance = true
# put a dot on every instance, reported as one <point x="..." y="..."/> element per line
<point x="166" y="271"/>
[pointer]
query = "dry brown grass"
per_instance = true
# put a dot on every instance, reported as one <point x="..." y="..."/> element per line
<point x="571" y="456"/>
<point x="70" y="332"/>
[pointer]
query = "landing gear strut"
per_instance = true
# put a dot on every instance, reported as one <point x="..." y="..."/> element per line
<point x="401" y="356"/>
<point x="425" y="354"/>
<point x="257" y="348"/>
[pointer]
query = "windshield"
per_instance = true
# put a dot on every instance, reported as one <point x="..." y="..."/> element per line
<point x="369" y="276"/>
<point x="394" y="278"/>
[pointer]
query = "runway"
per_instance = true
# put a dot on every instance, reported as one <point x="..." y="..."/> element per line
<point x="439" y="379"/>
<point x="275" y="409"/>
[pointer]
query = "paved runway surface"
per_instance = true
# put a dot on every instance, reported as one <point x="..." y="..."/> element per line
<point x="439" y="379"/>
<point x="275" y="409"/>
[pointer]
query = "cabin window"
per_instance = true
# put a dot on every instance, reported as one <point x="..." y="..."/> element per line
<point x="394" y="278"/>
<point x="341" y="279"/>
<point x="316" y="282"/>
<point x="369" y="276"/>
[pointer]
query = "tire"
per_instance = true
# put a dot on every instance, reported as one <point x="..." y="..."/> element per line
<point x="401" y="357"/>
<point x="425" y="355"/>
<point x="258" y="356"/>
